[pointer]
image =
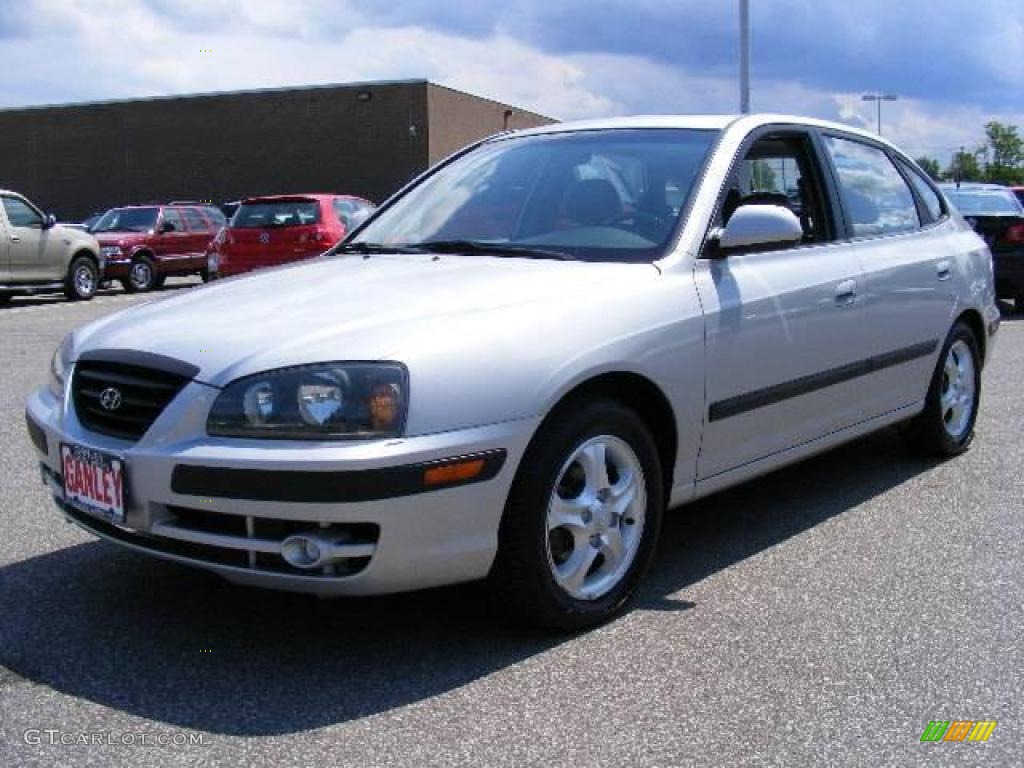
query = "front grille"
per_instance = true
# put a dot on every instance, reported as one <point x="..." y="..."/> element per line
<point x="143" y="394"/>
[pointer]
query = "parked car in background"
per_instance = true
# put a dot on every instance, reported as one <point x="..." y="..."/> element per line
<point x="1019" y="192"/>
<point x="38" y="255"/>
<point x="271" y="230"/>
<point x="997" y="215"/>
<point x="144" y="244"/>
<point x="530" y="354"/>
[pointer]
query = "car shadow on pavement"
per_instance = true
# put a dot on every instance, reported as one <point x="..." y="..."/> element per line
<point x="180" y="646"/>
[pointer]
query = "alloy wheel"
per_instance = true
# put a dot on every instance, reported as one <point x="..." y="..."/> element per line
<point x="958" y="388"/>
<point x="595" y="517"/>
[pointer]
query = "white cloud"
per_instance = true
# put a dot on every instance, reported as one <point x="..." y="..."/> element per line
<point x="94" y="49"/>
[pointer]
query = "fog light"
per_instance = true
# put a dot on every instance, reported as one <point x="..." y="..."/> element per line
<point x="302" y="551"/>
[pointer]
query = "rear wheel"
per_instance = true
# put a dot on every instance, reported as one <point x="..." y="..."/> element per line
<point x="583" y="517"/>
<point x="83" y="279"/>
<point x="141" y="276"/>
<point x="5" y="298"/>
<point x="946" y="425"/>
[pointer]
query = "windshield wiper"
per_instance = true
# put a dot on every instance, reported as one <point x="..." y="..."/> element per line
<point x="372" y="248"/>
<point x="491" y="249"/>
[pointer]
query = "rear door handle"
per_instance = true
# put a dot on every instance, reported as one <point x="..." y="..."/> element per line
<point x="942" y="270"/>
<point x="846" y="293"/>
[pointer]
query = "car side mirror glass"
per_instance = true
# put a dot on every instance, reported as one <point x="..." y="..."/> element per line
<point x="760" y="226"/>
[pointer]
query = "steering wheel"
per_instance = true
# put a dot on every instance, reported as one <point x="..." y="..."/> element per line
<point x="641" y="222"/>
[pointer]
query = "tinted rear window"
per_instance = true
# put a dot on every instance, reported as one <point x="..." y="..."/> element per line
<point x="297" y="213"/>
<point x="983" y="202"/>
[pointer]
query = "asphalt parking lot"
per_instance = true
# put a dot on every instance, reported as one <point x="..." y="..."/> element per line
<point x="820" y="616"/>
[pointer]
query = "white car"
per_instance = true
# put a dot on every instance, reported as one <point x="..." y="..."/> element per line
<point x="525" y="357"/>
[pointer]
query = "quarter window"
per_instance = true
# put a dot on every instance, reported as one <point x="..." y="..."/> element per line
<point x="20" y="214"/>
<point x="876" y="198"/>
<point x="924" y="190"/>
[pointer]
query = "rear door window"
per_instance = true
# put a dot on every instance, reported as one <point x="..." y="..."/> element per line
<point x="195" y="220"/>
<point x="876" y="197"/>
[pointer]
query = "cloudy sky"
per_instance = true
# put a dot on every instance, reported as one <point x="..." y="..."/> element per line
<point x="954" y="63"/>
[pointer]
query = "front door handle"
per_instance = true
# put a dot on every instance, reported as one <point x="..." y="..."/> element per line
<point x="15" y="239"/>
<point x="942" y="270"/>
<point x="846" y="293"/>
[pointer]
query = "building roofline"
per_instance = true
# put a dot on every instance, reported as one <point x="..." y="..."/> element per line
<point x="477" y="96"/>
<point x="216" y="94"/>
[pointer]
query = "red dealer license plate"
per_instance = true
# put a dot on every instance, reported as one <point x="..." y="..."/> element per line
<point x="93" y="481"/>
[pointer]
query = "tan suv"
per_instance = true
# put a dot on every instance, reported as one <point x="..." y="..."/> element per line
<point x="37" y="255"/>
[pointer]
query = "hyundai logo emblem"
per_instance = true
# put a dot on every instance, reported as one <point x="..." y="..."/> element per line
<point x="110" y="399"/>
<point x="264" y="237"/>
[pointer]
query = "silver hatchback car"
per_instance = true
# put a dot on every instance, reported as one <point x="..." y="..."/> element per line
<point x="525" y="357"/>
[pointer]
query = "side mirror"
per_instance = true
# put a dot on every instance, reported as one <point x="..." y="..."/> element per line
<point x="166" y="226"/>
<point x="50" y="221"/>
<point x="760" y="226"/>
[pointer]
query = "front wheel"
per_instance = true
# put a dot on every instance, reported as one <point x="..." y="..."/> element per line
<point x="946" y="425"/>
<point x="141" y="276"/>
<point x="583" y="517"/>
<point x="83" y="279"/>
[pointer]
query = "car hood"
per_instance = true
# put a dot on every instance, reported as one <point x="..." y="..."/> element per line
<point x="347" y="308"/>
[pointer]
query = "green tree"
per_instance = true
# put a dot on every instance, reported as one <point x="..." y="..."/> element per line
<point x="964" y="167"/>
<point x="930" y="166"/>
<point x="1006" y="150"/>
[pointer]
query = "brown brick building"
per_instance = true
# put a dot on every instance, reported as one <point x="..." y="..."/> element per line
<point x="364" y="138"/>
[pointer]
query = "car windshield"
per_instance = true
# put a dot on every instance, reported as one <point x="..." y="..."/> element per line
<point x="993" y="202"/>
<point x="607" y="195"/>
<point x="276" y="213"/>
<point x="127" y="220"/>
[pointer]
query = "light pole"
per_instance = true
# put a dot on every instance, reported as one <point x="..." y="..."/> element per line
<point x="744" y="56"/>
<point x="878" y="98"/>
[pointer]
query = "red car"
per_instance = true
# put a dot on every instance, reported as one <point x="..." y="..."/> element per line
<point x="143" y="244"/>
<point x="267" y="231"/>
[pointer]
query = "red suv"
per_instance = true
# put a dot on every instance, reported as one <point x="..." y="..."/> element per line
<point x="266" y="231"/>
<point x="143" y="244"/>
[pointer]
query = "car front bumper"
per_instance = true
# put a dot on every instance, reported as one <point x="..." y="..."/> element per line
<point x="226" y="505"/>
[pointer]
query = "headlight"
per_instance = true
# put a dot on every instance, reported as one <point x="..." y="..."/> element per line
<point x="59" y="366"/>
<point x="110" y="251"/>
<point x="326" y="401"/>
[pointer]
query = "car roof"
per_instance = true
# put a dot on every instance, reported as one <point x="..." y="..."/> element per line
<point x="318" y="196"/>
<point x="698" y="122"/>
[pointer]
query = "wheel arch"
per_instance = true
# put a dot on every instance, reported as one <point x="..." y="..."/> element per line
<point x="640" y="394"/>
<point x="973" y="320"/>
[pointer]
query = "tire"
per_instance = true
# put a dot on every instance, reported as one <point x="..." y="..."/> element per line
<point x="946" y="425"/>
<point x="5" y="299"/>
<point x="537" y="558"/>
<point x="158" y="281"/>
<point x="206" y="276"/>
<point x="1018" y="303"/>
<point x="83" y="279"/>
<point x="141" y="276"/>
